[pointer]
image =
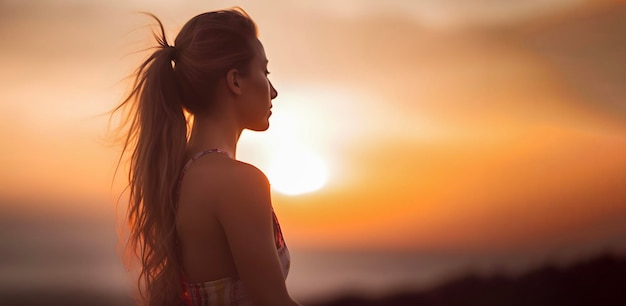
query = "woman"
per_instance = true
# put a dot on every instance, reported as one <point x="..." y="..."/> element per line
<point x="201" y="222"/>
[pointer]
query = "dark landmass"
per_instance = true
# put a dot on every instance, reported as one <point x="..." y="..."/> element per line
<point x="51" y="297"/>
<point x="599" y="281"/>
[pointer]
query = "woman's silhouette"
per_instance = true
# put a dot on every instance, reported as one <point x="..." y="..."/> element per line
<point x="201" y="222"/>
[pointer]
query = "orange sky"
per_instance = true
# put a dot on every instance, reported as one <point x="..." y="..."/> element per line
<point x="454" y="128"/>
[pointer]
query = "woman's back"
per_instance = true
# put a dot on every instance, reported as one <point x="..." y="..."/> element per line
<point x="204" y="246"/>
<point x="207" y="189"/>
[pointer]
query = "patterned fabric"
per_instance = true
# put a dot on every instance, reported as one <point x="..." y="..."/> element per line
<point x="229" y="291"/>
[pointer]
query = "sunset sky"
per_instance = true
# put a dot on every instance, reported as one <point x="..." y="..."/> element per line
<point x="477" y="128"/>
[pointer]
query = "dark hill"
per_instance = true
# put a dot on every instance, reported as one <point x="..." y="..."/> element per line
<point x="600" y="281"/>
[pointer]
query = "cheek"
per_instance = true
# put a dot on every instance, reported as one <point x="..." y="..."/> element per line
<point x="262" y="84"/>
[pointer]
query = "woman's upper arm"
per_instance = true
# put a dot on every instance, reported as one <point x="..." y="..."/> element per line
<point x="245" y="212"/>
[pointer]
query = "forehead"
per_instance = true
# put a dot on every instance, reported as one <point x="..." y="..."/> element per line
<point x="259" y="51"/>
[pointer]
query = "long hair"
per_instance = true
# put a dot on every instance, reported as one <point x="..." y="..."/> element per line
<point x="172" y="84"/>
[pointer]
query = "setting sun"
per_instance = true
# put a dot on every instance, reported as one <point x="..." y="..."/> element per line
<point x="410" y="143"/>
<point x="296" y="170"/>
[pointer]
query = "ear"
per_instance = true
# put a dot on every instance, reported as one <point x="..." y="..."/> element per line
<point x="232" y="77"/>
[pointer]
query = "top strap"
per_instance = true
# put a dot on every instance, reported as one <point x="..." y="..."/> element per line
<point x="194" y="158"/>
<point x="200" y="154"/>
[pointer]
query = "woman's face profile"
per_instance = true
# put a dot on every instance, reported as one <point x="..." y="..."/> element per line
<point x="257" y="92"/>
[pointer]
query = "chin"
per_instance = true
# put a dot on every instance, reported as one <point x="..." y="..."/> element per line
<point x="260" y="127"/>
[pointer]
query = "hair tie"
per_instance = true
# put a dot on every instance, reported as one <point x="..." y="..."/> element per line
<point x="173" y="53"/>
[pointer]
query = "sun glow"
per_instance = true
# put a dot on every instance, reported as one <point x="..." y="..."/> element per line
<point x="293" y="153"/>
<point x="296" y="171"/>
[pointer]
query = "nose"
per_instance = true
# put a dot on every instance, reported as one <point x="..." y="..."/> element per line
<point x="273" y="92"/>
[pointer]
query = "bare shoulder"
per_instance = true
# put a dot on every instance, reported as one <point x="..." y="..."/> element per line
<point x="215" y="179"/>
<point x="244" y="184"/>
<point x="223" y="172"/>
<point x="246" y="174"/>
<point x="227" y="189"/>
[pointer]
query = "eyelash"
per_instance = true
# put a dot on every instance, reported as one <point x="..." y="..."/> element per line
<point x="267" y="72"/>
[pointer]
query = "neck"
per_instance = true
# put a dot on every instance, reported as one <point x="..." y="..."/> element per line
<point x="214" y="133"/>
